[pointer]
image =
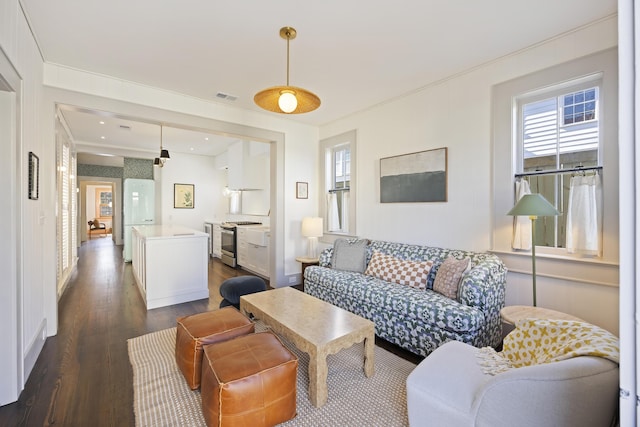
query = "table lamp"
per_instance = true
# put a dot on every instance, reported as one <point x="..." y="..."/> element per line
<point x="533" y="206"/>
<point x="312" y="228"/>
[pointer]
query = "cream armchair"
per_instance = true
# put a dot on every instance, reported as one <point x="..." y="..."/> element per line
<point x="449" y="388"/>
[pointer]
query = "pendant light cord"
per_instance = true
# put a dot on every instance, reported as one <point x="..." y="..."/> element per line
<point x="288" y="40"/>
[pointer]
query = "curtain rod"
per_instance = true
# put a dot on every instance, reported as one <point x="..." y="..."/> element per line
<point x="577" y="169"/>
<point x="339" y="189"/>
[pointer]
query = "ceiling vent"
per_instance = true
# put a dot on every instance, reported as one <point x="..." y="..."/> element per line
<point x="125" y="127"/>
<point x="226" y="96"/>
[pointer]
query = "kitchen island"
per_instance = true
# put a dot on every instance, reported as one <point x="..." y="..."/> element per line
<point x="170" y="264"/>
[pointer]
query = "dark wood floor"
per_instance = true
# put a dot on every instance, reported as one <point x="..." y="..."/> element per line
<point x="83" y="376"/>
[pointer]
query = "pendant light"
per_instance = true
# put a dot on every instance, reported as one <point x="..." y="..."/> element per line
<point x="164" y="154"/>
<point x="287" y="99"/>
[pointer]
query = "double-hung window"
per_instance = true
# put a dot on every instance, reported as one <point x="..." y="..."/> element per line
<point x="558" y="136"/>
<point x="338" y="204"/>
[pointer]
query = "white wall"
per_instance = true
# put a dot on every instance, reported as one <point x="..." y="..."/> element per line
<point x="208" y="182"/>
<point x="35" y="280"/>
<point x="456" y="113"/>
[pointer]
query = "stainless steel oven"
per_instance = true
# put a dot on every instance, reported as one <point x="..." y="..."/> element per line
<point x="229" y="232"/>
<point x="229" y="244"/>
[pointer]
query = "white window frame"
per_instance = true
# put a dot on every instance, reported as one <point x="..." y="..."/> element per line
<point x="327" y="147"/>
<point x="555" y="91"/>
<point x="506" y="156"/>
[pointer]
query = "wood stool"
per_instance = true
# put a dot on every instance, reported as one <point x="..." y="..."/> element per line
<point x="195" y="331"/>
<point x="248" y="381"/>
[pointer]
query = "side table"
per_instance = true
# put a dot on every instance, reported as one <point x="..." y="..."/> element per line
<point x="306" y="262"/>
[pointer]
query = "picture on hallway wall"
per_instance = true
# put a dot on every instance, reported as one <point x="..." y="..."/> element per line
<point x="414" y="177"/>
<point x="302" y="190"/>
<point x="184" y="196"/>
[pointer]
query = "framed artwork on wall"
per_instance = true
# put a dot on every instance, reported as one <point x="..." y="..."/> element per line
<point x="184" y="196"/>
<point x="414" y="177"/>
<point x="34" y="176"/>
<point x="302" y="190"/>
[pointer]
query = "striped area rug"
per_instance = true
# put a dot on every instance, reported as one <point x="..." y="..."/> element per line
<point x="162" y="397"/>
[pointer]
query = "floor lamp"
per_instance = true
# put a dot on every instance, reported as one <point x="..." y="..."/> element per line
<point x="533" y="206"/>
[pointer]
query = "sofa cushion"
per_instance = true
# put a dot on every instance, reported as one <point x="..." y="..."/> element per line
<point x="449" y="275"/>
<point x="403" y="272"/>
<point x="379" y="300"/>
<point x="350" y="255"/>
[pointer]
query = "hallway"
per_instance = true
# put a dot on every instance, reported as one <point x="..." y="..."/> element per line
<point x="83" y="376"/>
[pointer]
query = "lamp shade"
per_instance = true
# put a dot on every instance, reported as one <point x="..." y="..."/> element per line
<point x="312" y="227"/>
<point x="269" y="99"/>
<point x="533" y="205"/>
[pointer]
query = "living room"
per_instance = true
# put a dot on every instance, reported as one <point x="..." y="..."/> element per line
<point x="473" y="218"/>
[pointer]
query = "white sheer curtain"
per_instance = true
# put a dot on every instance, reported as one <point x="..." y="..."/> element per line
<point x="521" y="238"/>
<point x="345" y="211"/>
<point x="333" y="220"/>
<point x="584" y="216"/>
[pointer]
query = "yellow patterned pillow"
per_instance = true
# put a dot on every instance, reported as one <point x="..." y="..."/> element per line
<point x="403" y="272"/>
<point x="536" y="341"/>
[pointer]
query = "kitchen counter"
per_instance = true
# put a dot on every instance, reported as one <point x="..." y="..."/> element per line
<point x="170" y="264"/>
<point x="167" y="232"/>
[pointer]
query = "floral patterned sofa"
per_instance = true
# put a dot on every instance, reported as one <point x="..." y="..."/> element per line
<point x="418" y="320"/>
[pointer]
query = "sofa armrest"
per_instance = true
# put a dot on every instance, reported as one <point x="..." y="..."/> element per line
<point x="484" y="285"/>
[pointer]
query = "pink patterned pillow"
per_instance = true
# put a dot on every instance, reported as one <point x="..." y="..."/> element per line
<point x="391" y="269"/>
<point x="449" y="275"/>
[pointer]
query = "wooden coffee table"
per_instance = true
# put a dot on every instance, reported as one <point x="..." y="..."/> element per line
<point x="315" y="327"/>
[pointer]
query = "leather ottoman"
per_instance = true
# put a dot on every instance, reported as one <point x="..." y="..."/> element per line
<point x="195" y="331"/>
<point x="248" y="381"/>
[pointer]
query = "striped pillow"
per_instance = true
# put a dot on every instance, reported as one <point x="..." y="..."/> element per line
<point x="395" y="270"/>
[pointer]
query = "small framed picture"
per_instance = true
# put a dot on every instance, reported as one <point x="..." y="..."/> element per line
<point x="34" y="176"/>
<point x="183" y="196"/>
<point x="302" y="190"/>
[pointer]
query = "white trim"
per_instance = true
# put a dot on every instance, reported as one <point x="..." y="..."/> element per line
<point x="11" y="258"/>
<point x="350" y="138"/>
<point x="629" y="45"/>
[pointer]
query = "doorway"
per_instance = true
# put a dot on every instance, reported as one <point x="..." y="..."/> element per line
<point x="95" y="195"/>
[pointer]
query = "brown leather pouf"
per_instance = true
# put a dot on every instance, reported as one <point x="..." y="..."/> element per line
<point x="195" y="331"/>
<point x="248" y="381"/>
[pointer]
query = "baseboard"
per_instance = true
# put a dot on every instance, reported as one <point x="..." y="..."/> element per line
<point x="64" y="280"/>
<point x="31" y="354"/>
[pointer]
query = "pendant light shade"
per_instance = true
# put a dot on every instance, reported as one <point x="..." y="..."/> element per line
<point x="164" y="154"/>
<point x="287" y="99"/>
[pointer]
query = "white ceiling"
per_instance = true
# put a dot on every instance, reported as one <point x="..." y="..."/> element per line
<point x="353" y="55"/>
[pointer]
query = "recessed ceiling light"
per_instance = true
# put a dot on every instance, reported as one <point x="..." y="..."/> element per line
<point x="101" y="122"/>
<point x="206" y="138"/>
<point x="102" y="137"/>
<point x="191" y="148"/>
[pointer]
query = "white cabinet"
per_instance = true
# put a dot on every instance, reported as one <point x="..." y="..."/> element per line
<point x="248" y="165"/>
<point x="253" y="250"/>
<point x="217" y="241"/>
<point x="258" y="257"/>
<point x="170" y="264"/>
<point x="243" y="253"/>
